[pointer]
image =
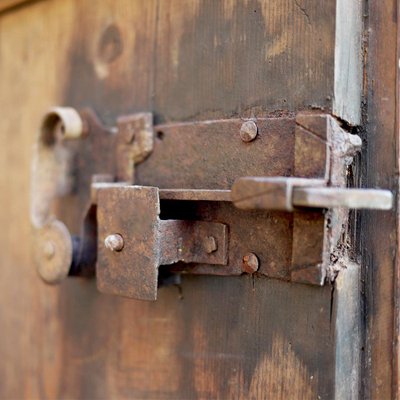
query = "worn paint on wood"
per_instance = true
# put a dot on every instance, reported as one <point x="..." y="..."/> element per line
<point x="348" y="332"/>
<point x="255" y="57"/>
<point x="348" y="61"/>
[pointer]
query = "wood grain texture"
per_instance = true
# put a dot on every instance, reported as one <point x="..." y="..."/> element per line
<point x="379" y="231"/>
<point x="30" y="325"/>
<point x="9" y="4"/>
<point x="215" y="337"/>
<point x="348" y="332"/>
<point x="243" y="57"/>
<point x="348" y="61"/>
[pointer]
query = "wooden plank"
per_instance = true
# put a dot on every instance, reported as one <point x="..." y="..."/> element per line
<point x="9" y="4"/>
<point x="348" y="332"/>
<point x="218" y="59"/>
<point x="33" y="74"/>
<point x="219" y="338"/>
<point x="379" y="231"/>
<point x="110" y="57"/>
<point x="31" y="330"/>
<point x="214" y="337"/>
<point x="348" y="61"/>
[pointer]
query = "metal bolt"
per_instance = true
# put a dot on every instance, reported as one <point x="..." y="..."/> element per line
<point x="210" y="244"/>
<point x="248" y="131"/>
<point x="114" y="242"/>
<point x="250" y="263"/>
<point x="49" y="250"/>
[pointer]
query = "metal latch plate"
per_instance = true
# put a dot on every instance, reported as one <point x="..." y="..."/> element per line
<point x="132" y="213"/>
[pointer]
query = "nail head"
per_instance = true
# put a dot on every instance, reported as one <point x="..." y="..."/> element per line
<point x="248" y="131"/>
<point x="250" y="263"/>
<point x="114" y="242"/>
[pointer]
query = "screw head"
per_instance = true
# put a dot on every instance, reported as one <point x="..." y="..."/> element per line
<point x="114" y="242"/>
<point x="250" y="263"/>
<point x="210" y="244"/>
<point x="248" y="131"/>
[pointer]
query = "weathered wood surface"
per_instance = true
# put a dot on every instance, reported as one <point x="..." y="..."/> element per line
<point x="348" y="61"/>
<point x="202" y="59"/>
<point x="348" y="333"/>
<point x="7" y="5"/>
<point x="217" y="337"/>
<point x="378" y="232"/>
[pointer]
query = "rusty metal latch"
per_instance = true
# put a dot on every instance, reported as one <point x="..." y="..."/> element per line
<point x="227" y="197"/>
<point x="129" y="266"/>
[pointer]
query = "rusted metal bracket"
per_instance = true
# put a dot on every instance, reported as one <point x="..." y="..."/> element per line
<point x="216" y="197"/>
<point x="133" y="241"/>
<point x="72" y="151"/>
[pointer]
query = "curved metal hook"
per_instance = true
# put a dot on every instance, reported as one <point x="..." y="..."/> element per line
<point x="51" y="177"/>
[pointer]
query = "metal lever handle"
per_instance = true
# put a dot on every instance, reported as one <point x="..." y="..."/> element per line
<point x="51" y="177"/>
<point x="282" y="193"/>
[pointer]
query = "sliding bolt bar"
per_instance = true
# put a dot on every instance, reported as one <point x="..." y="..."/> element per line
<point x="282" y="193"/>
<point x="338" y="197"/>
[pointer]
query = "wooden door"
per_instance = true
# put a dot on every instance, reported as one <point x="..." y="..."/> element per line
<point x="240" y="337"/>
